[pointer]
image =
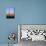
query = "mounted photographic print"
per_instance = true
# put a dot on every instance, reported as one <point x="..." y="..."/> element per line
<point x="10" y="13"/>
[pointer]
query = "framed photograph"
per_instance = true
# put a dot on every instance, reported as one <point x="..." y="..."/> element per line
<point x="10" y="13"/>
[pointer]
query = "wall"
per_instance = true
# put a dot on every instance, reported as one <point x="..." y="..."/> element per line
<point x="31" y="11"/>
<point x="7" y="25"/>
<point x="27" y="12"/>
